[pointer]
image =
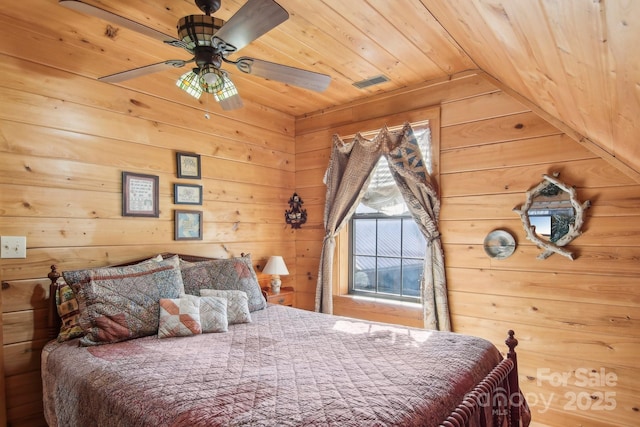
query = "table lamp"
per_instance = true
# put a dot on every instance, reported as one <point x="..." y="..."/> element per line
<point x="276" y="268"/>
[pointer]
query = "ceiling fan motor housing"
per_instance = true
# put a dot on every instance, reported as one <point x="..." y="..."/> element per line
<point x="207" y="55"/>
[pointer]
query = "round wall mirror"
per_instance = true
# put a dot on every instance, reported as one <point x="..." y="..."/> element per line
<point x="552" y="216"/>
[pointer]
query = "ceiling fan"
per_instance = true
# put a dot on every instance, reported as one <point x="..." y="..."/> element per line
<point x="211" y="41"/>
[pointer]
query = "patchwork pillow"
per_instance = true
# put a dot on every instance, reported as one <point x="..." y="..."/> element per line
<point x="213" y="313"/>
<point x="179" y="317"/>
<point x="237" y="304"/>
<point x="121" y="303"/>
<point x="224" y="274"/>
<point x="69" y="314"/>
<point x="67" y="305"/>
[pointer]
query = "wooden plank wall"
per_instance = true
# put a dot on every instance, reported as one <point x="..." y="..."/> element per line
<point x="64" y="142"/>
<point x="573" y="318"/>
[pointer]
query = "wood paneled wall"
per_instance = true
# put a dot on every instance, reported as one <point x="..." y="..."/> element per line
<point x="64" y="142"/>
<point x="65" y="139"/>
<point x="573" y="318"/>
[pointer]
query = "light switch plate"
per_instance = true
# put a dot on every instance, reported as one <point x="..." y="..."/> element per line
<point x="13" y="247"/>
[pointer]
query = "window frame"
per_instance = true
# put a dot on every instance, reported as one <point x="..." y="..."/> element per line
<point x="376" y="293"/>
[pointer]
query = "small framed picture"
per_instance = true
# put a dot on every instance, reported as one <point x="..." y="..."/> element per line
<point x="188" y="225"/>
<point x="187" y="194"/>
<point x="188" y="165"/>
<point x="140" y="195"/>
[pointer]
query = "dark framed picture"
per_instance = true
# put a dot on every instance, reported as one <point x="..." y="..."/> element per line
<point x="188" y="165"/>
<point x="140" y="195"/>
<point x="188" y="225"/>
<point x="187" y="194"/>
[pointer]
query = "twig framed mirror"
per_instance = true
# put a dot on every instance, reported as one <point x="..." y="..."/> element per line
<point x="552" y="216"/>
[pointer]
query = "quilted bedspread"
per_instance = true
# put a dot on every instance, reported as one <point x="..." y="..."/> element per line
<point x="288" y="367"/>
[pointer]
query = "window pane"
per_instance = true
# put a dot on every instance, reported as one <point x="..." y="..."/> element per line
<point x="390" y="237"/>
<point x="411" y="274"/>
<point x="389" y="275"/>
<point x="364" y="236"/>
<point x="414" y="244"/>
<point x="364" y="273"/>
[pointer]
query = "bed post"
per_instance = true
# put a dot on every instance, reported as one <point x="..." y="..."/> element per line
<point x="53" y="320"/>
<point x="514" y="388"/>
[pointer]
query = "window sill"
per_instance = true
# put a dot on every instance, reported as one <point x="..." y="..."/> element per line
<point x="378" y="310"/>
<point x="384" y="301"/>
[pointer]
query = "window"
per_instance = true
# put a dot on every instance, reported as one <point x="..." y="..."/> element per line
<point x="386" y="247"/>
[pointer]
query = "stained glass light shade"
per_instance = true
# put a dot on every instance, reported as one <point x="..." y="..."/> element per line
<point x="211" y="79"/>
<point x="190" y="83"/>
<point x="197" y="30"/>
<point x="227" y="94"/>
<point x="227" y="91"/>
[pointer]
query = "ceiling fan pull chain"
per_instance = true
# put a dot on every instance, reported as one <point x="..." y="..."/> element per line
<point x="206" y="108"/>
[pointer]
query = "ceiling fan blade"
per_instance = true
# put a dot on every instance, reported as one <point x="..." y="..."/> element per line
<point x="119" y="20"/>
<point x="254" y="19"/>
<point x="228" y="97"/>
<point x="143" y="71"/>
<point x="232" y="103"/>
<point x="283" y="73"/>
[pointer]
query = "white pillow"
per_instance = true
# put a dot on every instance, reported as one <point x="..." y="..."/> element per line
<point x="237" y="304"/>
<point x="213" y="313"/>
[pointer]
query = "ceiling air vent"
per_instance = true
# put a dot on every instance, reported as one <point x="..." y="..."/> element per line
<point x="371" y="82"/>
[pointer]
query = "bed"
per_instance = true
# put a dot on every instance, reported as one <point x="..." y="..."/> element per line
<point x="281" y="366"/>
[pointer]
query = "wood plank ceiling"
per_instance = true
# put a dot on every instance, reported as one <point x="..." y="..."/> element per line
<point x="578" y="60"/>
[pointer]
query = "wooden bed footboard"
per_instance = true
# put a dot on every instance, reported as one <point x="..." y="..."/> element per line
<point x="498" y="392"/>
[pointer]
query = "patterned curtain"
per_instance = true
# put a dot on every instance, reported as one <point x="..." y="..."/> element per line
<point x="347" y="178"/>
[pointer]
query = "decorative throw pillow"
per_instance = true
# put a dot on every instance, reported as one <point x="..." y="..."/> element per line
<point x="237" y="304"/>
<point x="179" y="317"/>
<point x="225" y="274"/>
<point x="68" y="311"/>
<point x="68" y="305"/>
<point x="121" y="303"/>
<point x="213" y="313"/>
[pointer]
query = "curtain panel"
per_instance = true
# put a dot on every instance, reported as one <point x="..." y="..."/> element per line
<point x="347" y="177"/>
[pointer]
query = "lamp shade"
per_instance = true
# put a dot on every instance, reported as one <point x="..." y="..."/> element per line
<point x="211" y="78"/>
<point x="190" y="83"/>
<point x="198" y="30"/>
<point x="276" y="265"/>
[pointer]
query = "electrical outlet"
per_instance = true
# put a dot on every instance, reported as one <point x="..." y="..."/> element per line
<point x="13" y="247"/>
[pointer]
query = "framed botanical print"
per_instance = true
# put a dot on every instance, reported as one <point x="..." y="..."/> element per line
<point x="140" y="195"/>
<point x="187" y="194"/>
<point x="188" y="225"/>
<point x="188" y="165"/>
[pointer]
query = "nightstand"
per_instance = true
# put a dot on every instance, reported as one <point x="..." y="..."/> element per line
<point x="285" y="297"/>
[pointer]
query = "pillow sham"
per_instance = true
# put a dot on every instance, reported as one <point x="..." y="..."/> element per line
<point x="67" y="305"/>
<point x="237" y="304"/>
<point x="179" y="317"/>
<point x="121" y="303"/>
<point x="224" y="274"/>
